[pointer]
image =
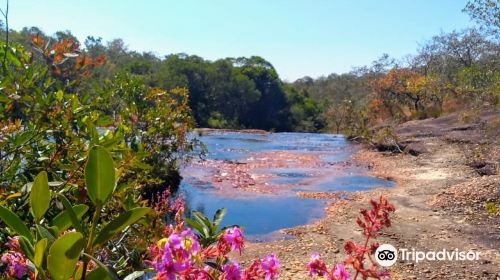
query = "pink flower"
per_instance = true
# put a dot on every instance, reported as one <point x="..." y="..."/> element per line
<point x="231" y="271"/>
<point x="177" y="204"/>
<point x="16" y="265"/>
<point x="232" y="237"/>
<point x="198" y="274"/>
<point x="316" y="266"/>
<point x="340" y="273"/>
<point x="176" y="256"/>
<point x="13" y="244"/>
<point x="270" y="265"/>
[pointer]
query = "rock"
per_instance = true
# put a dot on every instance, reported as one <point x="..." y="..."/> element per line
<point x="487" y="170"/>
<point x="416" y="148"/>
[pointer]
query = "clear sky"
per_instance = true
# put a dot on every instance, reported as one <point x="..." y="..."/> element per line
<point x="299" y="37"/>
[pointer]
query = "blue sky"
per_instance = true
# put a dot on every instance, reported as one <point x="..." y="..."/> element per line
<point x="299" y="37"/>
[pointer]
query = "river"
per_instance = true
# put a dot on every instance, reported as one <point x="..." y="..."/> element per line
<point x="265" y="180"/>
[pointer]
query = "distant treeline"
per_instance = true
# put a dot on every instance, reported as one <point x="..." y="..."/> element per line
<point x="451" y="71"/>
<point x="226" y="93"/>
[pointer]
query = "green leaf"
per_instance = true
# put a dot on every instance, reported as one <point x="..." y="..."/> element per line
<point x="110" y="273"/>
<point x="72" y="215"/>
<point x="63" y="220"/>
<point x="26" y="247"/>
<point x="99" y="175"/>
<point x="59" y="95"/>
<point x="98" y="274"/>
<point x="40" y="196"/>
<point x="79" y="272"/>
<point x="15" y="223"/>
<point x="195" y="225"/>
<point x="219" y="215"/>
<point x="13" y="59"/>
<point x="120" y="223"/>
<point x="64" y="254"/>
<point x="45" y="233"/>
<point x="39" y="252"/>
<point x="203" y="221"/>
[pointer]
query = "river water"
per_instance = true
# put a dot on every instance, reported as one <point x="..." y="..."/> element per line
<point x="284" y="164"/>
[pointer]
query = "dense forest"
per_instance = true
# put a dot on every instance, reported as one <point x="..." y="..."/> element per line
<point x="227" y="93"/>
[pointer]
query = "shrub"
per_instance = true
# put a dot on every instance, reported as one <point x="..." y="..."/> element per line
<point x="47" y="240"/>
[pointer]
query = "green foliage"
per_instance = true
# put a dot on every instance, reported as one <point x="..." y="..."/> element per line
<point x="49" y="122"/>
<point x="15" y="223"/>
<point x="64" y="254"/>
<point x="40" y="195"/>
<point x="91" y="234"/>
<point x="117" y="225"/>
<point x="63" y="221"/>
<point x="99" y="175"/>
<point x="208" y="232"/>
<point x="54" y="114"/>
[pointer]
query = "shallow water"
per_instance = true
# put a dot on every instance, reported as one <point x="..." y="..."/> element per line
<point x="236" y="145"/>
<point x="262" y="215"/>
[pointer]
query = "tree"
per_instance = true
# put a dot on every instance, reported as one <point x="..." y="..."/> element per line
<point x="486" y="13"/>
<point x="402" y="86"/>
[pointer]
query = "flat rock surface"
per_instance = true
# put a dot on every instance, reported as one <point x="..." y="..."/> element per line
<point x="440" y="204"/>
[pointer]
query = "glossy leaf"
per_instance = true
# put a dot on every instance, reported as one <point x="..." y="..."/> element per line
<point x="64" y="254"/>
<point x="40" y="195"/>
<point x="134" y="275"/>
<point x="45" y="233"/>
<point x="26" y="247"/>
<point x="219" y="215"/>
<point x="98" y="274"/>
<point x="99" y="175"/>
<point x="15" y="223"/>
<point x="39" y="252"/>
<point x="72" y="215"/>
<point x="120" y="223"/>
<point x="63" y="220"/>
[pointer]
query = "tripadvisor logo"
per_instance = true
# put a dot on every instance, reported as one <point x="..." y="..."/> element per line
<point x="387" y="255"/>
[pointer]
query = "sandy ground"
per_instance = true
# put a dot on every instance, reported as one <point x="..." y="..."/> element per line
<point x="439" y="199"/>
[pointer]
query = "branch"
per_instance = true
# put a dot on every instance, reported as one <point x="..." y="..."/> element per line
<point x="6" y="16"/>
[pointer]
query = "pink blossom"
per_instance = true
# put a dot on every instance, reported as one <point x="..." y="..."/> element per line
<point x="316" y="266"/>
<point x="232" y="237"/>
<point x="340" y="272"/>
<point x="231" y="271"/>
<point x="270" y="265"/>
<point x="16" y="265"/>
<point x="177" y="256"/>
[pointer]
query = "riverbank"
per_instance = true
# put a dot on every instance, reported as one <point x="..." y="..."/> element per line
<point x="440" y="199"/>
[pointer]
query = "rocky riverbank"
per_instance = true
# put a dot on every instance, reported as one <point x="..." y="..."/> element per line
<point x="443" y="200"/>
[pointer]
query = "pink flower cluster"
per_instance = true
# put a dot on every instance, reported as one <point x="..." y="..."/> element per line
<point x="231" y="240"/>
<point x="15" y="262"/>
<point x="317" y="267"/>
<point x="176" y="255"/>
<point x="266" y="268"/>
<point x="163" y="203"/>
<point x="180" y="257"/>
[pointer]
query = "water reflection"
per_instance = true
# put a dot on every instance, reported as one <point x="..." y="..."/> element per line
<point x="262" y="214"/>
